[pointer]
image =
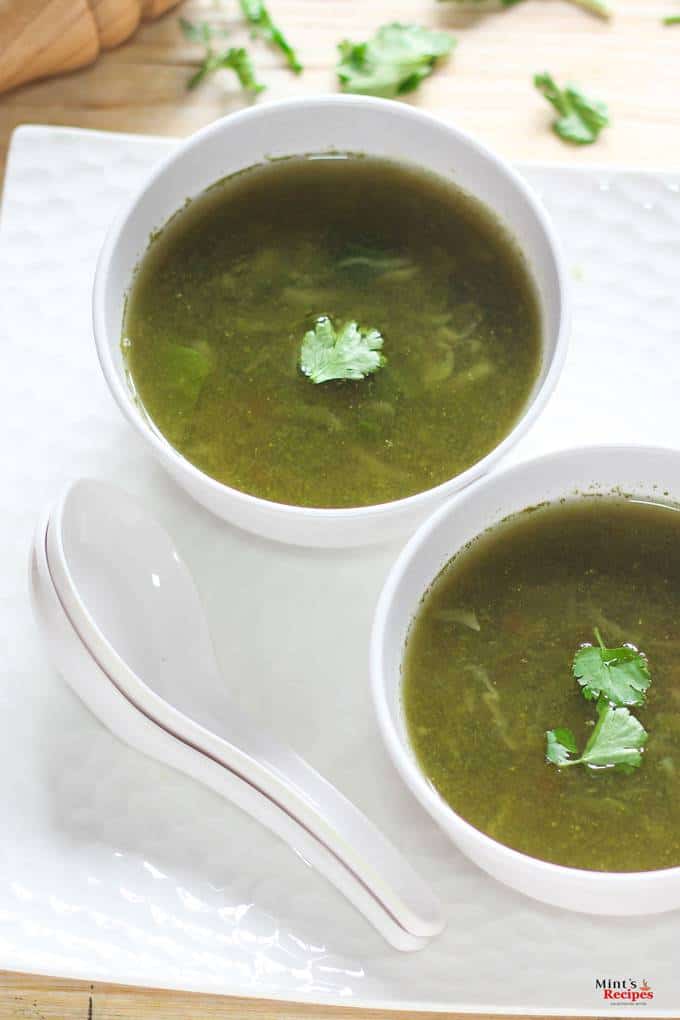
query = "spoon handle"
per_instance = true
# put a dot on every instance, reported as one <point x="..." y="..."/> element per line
<point x="134" y="610"/>
<point x="340" y="830"/>
<point x="188" y="752"/>
<point x="376" y="905"/>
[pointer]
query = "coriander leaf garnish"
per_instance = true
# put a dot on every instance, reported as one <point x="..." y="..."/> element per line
<point x="614" y="677"/>
<point x="235" y="59"/>
<point x="393" y="62"/>
<point x="580" y="119"/>
<point x="616" y="741"/>
<point x="560" y="743"/>
<point x="621" y="675"/>
<point x="672" y="19"/>
<point x="255" y="11"/>
<point x="348" y="353"/>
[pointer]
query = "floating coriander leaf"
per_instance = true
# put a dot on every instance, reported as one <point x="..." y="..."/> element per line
<point x="617" y="739"/>
<point x="672" y="19"/>
<point x="348" y="353"/>
<point x="580" y="119"/>
<point x="560" y="744"/>
<point x="621" y="675"/>
<point x="182" y="376"/>
<point x="616" y="742"/>
<point x="614" y="677"/>
<point x="255" y="11"/>
<point x="393" y="62"/>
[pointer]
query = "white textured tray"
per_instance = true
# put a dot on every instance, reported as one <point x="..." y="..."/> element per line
<point x="113" y="867"/>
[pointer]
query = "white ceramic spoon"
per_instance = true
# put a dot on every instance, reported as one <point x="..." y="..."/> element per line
<point x="127" y="631"/>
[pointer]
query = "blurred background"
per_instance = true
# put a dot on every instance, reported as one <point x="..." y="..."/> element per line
<point x="131" y="61"/>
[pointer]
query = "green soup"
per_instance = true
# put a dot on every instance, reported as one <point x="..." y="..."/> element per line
<point x="225" y="293"/>
<point x="487" y="673"/>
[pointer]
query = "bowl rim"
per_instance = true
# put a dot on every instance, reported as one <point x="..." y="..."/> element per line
<point x="415" y="779"/>
<point x="419" y="500"/>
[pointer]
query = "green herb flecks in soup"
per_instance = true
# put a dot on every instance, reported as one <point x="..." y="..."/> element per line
<point x="488" y="671"/>
<point x="229" y="289"/>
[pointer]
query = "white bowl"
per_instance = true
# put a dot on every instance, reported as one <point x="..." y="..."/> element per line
<point x="349" y="123"/>
<point x="646" y="472"/>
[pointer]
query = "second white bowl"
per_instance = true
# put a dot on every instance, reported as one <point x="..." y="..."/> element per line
<point x="642" y="472"/>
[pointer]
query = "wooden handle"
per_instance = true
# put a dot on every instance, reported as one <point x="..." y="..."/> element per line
<point x="116" y="20"/>
<point x="154" y="8"/>
<point x="41" y="37"/>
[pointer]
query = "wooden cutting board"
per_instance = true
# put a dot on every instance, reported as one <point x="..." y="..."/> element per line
<point x="44" y="37"/>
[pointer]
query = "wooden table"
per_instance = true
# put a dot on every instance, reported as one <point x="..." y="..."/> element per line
<point x="633" y="63"/>
<point x="23" y="997"/>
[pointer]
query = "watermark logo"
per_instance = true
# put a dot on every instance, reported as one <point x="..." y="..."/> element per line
<point x="625" y="991"/>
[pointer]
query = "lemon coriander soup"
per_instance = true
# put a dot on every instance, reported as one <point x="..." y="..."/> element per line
<point x="568" y="753"/>
<point x="333" y="331"/>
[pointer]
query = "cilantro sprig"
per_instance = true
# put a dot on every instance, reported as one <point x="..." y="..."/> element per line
<point x="256" y="13"/>
<point x="617" y="741"/>
<point x="598" y="7"/>
<point x="235" y="58"/>
<point x="392" y="62"/>
<point x="614" y="678"/>
<point x="346" y="353"/>
<point x="580" y="119"/>
<point x="620" y="674"/>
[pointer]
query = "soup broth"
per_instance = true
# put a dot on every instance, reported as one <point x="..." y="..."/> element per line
<point x="226" y="291"/>
<point x="488" y="671"/>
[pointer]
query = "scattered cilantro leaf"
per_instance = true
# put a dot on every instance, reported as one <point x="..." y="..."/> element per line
<point x="672" y="19"/>
<point x="198" y="32"/>
<point x="616" y="741"/>
<point x="256" y="13"/>
<point x="393" y="62"/>
<point x="621" y="675"/>
<point x="235" y="59"/>
<point x="580" y="119"/>
<point x="598" y="7"/>
<point x="347" y="353"/>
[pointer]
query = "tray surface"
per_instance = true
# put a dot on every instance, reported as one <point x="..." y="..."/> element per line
<point x="113" y="867"/>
